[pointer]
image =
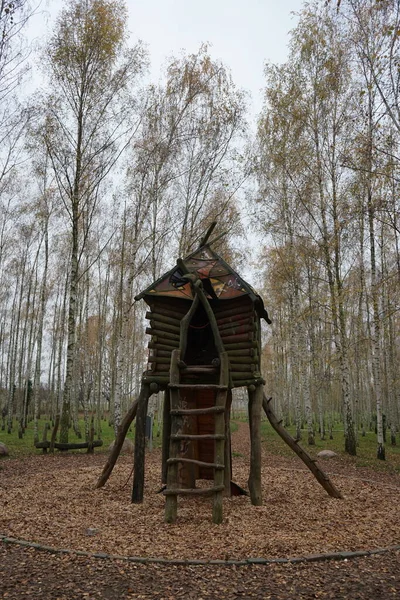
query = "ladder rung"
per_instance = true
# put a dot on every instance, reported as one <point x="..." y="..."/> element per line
<point x="193" y="491"/>
<point x="193" y="461"/>
<point x="201" y="386"/>
<point x="208" y="436"/>
<point x="198" y="411"/>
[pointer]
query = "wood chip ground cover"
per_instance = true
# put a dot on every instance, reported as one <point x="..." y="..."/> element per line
<point x="52" y="500"/>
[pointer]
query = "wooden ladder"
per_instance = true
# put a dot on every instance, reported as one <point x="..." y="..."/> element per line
<point x="178" y="412"/>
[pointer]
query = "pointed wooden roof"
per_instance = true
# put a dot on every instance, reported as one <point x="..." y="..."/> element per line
<point x="220" y="281"/>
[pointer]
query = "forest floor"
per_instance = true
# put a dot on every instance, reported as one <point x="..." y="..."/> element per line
<point x="51" y="500"/>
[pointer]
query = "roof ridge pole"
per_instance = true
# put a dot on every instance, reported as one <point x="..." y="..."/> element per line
<point x="221" y="235"/>
<point x="203" y="241"/>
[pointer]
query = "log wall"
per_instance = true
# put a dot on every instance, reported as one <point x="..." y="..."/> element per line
<point x="238" y="325"/>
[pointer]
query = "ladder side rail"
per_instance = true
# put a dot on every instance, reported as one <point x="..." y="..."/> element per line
<point x="171" y="502"/>
<point x="219" y="456"/>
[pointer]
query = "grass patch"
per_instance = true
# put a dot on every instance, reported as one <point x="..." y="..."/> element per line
<point x="25" y="447"/>
<point x="237" y="454"/>
<point x="366" y="449"/>
<point x="234" y="426"/>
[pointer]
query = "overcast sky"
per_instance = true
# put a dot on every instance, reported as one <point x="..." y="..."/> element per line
<point x="242" y="33"/>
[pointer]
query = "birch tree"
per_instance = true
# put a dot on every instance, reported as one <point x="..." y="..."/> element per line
<point x="88" y="124"/>
<point x="311" y="103"/>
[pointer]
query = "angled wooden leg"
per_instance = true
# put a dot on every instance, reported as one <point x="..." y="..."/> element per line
<point x="123" y="430"/>
<point x="318" y="473"/>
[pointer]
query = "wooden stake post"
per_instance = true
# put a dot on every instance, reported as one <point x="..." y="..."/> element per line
<point x="255" y="406"/>
<point x="140" y="447"/>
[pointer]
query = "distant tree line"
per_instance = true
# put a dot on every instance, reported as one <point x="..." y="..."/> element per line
<point x="328" y="172"/>
<point x="104" y="182"/>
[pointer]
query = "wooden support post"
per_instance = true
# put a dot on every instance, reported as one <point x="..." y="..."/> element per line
<point x="255" y="406"/>
<point x="140" y="448"/>
<point x="171" y="501"/>
<point x="166" y="433"/>
<point x="228" y="455"/>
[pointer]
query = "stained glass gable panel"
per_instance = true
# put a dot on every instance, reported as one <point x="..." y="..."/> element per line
<point x="219" y="280"/>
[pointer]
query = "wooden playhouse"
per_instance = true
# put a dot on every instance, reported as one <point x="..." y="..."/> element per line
<point x="205" y="340"/>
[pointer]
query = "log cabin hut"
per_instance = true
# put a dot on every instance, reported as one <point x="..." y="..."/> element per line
<point x="204" y="323"/>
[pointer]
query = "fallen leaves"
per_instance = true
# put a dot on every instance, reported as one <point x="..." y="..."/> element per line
<point x="52" y="500"/>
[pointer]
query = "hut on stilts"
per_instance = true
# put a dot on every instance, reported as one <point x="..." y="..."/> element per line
<point x="205" y="340"/>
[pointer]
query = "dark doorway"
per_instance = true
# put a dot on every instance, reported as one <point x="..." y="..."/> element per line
<point x="200" y="349"/>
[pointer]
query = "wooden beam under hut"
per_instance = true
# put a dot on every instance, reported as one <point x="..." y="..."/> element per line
<point x="246" y="382"/>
